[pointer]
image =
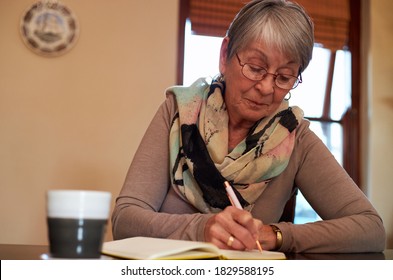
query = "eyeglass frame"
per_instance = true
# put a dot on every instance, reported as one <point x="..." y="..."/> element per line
<point x="298" y="80"/>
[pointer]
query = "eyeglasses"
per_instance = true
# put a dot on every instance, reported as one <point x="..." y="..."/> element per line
<point x="258" y="73"/>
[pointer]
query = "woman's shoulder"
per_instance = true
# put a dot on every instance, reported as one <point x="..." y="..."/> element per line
<point x="168" y="107"/>
<point x="304" y="126"/>
<point x="305" y="136"/>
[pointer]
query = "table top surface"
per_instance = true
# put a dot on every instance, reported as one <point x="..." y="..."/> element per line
<point x="34" y="252"/>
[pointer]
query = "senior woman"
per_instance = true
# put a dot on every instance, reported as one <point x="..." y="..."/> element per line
<point x="239" y="129"/>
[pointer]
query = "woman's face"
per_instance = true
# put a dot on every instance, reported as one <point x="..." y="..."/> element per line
<point x="248" y="101"/>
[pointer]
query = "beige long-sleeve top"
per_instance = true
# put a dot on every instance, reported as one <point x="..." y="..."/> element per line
<point x="148" y="206"/>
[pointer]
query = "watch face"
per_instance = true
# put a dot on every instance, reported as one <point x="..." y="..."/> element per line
<point x="49" y="29"/>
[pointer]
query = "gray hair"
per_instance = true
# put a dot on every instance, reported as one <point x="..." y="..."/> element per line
<point x="279" y="24"/>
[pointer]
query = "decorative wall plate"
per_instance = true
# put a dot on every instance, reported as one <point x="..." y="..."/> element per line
<point x="49" y="28"/>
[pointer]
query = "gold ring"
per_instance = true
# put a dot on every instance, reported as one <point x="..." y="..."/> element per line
<point x="230" y="241"/>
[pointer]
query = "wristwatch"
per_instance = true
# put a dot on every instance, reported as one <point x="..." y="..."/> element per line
<point x="278" y="233"/>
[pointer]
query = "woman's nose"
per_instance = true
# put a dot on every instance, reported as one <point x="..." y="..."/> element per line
<point x="266" y="85"/>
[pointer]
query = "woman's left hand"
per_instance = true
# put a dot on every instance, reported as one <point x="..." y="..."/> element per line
<point x="267" y="238"/>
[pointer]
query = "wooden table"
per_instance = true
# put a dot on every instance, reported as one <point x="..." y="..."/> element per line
<point x="34" y="252"/>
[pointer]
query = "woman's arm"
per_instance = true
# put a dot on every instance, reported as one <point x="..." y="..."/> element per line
<point x="350" y="223"/>
<point x="146" y="205"/>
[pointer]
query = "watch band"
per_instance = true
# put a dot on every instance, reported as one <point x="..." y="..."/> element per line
<point x="278" y="237"/>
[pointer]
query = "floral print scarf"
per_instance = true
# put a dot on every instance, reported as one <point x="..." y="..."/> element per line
<point x="199" y="158"/>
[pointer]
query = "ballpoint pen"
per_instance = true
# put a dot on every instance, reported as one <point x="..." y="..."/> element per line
<point x="235" y="202"/>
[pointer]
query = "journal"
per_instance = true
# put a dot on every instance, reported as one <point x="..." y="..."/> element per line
<point x="148" y="248"/>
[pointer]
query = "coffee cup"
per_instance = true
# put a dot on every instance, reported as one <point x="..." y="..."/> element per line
<point x="77" y="221"/>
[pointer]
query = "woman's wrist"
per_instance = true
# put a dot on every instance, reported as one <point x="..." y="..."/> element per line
<point x="278" y="233"/>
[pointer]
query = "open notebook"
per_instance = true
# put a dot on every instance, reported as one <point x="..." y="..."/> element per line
<point x="147" y="248"/>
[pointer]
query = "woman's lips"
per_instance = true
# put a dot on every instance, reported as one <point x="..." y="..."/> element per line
<point x="253" y="103"/>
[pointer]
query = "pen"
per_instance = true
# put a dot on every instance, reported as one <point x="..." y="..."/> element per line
<point x="235" y="202"/>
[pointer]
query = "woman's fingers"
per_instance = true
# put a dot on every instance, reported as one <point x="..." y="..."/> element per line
<point x="233" y="229"/>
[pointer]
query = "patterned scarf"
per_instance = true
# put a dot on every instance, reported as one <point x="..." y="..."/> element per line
<point x="199" y="158"/>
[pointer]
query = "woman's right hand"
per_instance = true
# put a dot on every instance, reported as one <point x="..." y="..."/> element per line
<point x="233" y="228"/>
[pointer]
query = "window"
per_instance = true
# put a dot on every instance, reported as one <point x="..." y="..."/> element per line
<point x="201" y="56"/>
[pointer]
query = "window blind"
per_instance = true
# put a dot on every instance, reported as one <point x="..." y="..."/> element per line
<point x="331" y="19"/>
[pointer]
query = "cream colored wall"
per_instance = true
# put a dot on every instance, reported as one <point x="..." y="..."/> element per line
<point x="381" y="111"/>
<point x="75" y="121"/>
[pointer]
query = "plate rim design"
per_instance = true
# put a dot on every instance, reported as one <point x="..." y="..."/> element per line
<point x="49" y="29"/>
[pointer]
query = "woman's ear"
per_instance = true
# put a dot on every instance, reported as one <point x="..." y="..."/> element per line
<point x="223" y="55"/>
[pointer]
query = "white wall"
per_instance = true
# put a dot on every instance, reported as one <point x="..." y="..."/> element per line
<point x="75" y="121"/>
